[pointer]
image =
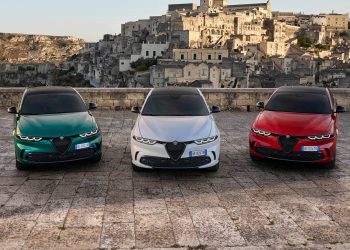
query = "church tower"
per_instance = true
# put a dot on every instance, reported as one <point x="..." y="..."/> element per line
<point x="220" y="3"/>
<point x="206" y="5"/>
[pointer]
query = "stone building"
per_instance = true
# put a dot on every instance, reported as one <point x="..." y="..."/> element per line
<point x="185" y="73"/>
<point x="333" y="22"/>
<point x="182" y="7"/>
<point x="195" y="55"/>
<point x="264" y="8"/>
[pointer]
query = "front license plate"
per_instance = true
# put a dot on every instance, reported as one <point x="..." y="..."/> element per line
<point x="82" y="146"/>
<point x="310" y="149"/>
<point x="198" y="153"/>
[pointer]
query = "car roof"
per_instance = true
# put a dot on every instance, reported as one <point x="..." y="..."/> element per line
<point x="175" y="91"/>
<point x="50" y="90"/>
<point x="303" y="89"/>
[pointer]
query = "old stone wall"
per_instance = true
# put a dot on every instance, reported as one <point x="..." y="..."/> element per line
<point x="122" y="99"/>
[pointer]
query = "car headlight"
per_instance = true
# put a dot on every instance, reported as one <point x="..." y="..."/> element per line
<point x="261" y="132"/>
<point x="144" y="140"/>
<point x="206" y="140"/>
<point x="319" y="137"/>
<point x="29" y="138"/>
<point x="88" y="134"/>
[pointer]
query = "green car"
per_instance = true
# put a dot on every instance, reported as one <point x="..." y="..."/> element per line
<point x="54" y="125"/>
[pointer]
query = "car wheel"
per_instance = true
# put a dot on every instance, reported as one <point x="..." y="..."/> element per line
<point x="254" y="158"/>
<point x="136" y="168"/>
<point x="214" y="168"/>
<point x="97" y="158"/>
<point x="20" y="166"/>
<point x="331" y="164"/>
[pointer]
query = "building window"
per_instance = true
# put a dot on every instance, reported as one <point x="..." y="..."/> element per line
<point x="194" y="56"/>
<point x="220" y="57"/>
<point x="182" y="57"/>
<point x="122" y="63"/>
<point x="189" y="73"/>
<point x="209" y="57"/>
<point x="154" y="53"/>
<point x="147" y="53"/>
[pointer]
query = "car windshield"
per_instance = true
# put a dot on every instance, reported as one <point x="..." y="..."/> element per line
<point x="312" y="103"/>
<point x="41" y="104"/>
<point x="175" y="105"/>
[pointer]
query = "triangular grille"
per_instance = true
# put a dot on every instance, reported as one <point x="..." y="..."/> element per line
<point x="287" y="143"/>
<point x="175" y="150"/>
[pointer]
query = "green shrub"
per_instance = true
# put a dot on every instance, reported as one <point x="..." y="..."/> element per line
<point x="304" y="42"/>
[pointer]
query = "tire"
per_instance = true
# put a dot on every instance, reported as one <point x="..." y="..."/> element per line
<point x="214" y="169"/>
<point x="255" y="158"/>
<point x="20" y="166"/>
<point x="136" y="168"/>
<point x="332" y="164"/>
<point x="97" y="158"/>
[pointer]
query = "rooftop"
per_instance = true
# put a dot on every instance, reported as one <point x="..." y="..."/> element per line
<point x="175" y="91"/>
<point x="45" y="90"/>
<point x="107" y="205"/>
<point x="303" y="89"/>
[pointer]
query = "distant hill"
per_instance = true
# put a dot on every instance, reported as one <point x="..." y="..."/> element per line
<point x="21" y="48"/>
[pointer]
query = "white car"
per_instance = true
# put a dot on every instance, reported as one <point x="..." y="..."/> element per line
<point x="175" y="129"/>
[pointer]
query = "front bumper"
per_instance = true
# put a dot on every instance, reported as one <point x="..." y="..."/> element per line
<point x="44" y="152"/>
<point x="269" y="147"/>
<point x="157" y="157"/>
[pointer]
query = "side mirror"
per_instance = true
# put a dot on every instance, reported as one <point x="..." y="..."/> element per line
<point x="260" y="105"/>
<point x="135" y="110"/>
<point x="215" y="109"/>
<point x="92" y="106"/>
<point x="341" y="109"/>
<point x="12" y="110"/>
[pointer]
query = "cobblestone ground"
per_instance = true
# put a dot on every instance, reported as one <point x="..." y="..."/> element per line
<point x="106" y="205"/>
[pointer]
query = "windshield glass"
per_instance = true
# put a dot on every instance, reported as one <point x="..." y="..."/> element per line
<point x="312" y="103"/>
<point x="52" y="104"/>
<point x="175" y="105"/>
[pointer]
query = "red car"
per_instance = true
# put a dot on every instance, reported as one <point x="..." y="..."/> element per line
<point x="297" y="124"/>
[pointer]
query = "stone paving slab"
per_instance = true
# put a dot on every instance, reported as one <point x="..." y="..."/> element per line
<point x="106" y="205"/>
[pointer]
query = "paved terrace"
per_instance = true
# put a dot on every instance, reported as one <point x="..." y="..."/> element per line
<point x="107" y="205"/>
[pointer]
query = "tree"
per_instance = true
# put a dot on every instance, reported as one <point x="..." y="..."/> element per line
<point x="304" y="42"/>
<point x="143" y="64"/>
<point x="322" y="47"/>
<point x="344" y="34"/>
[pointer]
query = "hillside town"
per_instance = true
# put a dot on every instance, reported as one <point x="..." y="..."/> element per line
<point x="212" y="45"/>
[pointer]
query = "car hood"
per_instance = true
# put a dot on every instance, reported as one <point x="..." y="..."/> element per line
<point x="181" y="129"/>
<point x="56" y="125"/>
<point x="295" y="124"/>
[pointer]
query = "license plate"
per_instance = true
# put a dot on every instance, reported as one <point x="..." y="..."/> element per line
<point x="310" y="149"/>
<point x="82" y="146"/>
<point x="198" y="153"/>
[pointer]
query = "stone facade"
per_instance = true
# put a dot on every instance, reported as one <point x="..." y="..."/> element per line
<point x="186" y="73"/>
<point x="195" y="55"/>
<point x="332" y="22"/>
<point x="182" y="7"/>
<point x="116" y="99"/>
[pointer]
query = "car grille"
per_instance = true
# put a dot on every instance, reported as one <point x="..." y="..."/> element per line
<point x="292" y="156"/>
<point x="57" y="157"/>
<point x="62" y="144"/>
<point x="175" y="150"/>
<point x="158" y="162"/>
<point x="287" y="143"/>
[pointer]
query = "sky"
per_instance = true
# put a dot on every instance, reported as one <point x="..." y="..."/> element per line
<point x="91" y="19"/>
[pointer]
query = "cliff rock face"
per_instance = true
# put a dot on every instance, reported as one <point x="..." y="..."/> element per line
<point x="19" y="48"/>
